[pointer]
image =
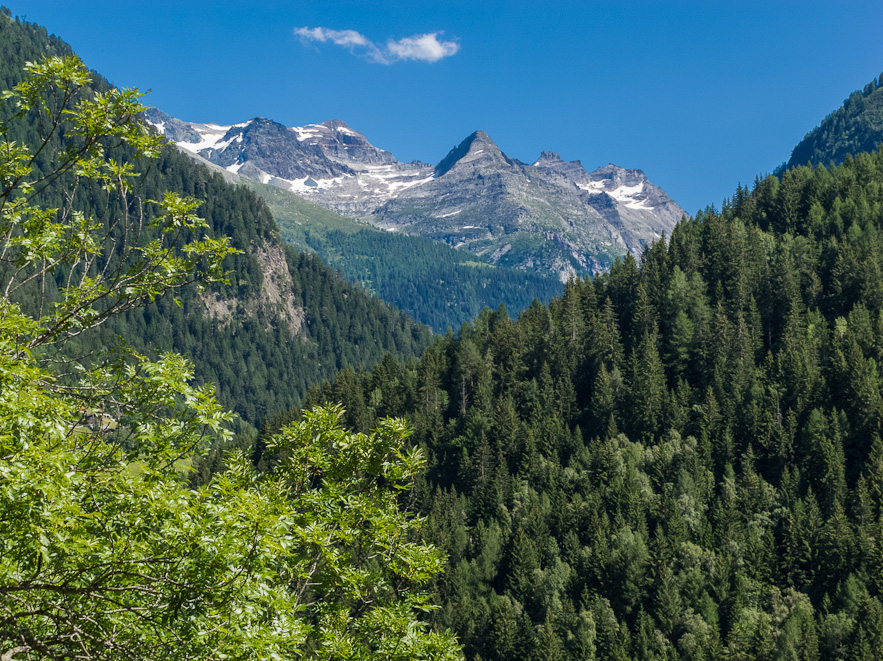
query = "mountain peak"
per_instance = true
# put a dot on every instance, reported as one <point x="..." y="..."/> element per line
<point x="335" y="124"/>
<point x="329" y="132"/>
<point x="548" y="157"/>
<point x="477" y="146"/>
<point x="343" y="144"/>
<point x="342" y="130"/>
<point x="551" y="162"/>
<point x="473" y="198"/>
<point x="619" y="175"/>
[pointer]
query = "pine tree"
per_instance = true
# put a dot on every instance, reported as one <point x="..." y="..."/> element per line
<point x="647" y="386"/>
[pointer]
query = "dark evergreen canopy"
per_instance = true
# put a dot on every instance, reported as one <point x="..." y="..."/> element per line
<point x="678" y="459"/>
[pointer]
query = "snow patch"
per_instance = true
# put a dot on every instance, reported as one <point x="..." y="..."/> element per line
<point x="212" y="135"/>
<point x="626" y="193"/>
<point x="593" y="186"/>
<point x="223" y="144"/>
<point x="309" y="132"/>
<point x="396" y="186"/>
<point x="385" y="181"/>
<point x="207" y="142"/>
<point x="301" y="186"/>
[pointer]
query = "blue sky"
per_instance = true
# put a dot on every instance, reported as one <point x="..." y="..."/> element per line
<point x="701" y="95"/>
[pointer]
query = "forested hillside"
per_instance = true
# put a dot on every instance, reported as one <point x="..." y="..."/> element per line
<point x="434" y="283"/>
<point x="284" y="322"/>
<point x="678" y="459"/>
<point x="855" y="127"/>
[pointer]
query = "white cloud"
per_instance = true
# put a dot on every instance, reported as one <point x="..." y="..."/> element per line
<point x="339" y="37"/>
<point x="421" y="47"/>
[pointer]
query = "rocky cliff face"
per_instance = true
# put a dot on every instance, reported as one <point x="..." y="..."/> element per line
<point x="344" y="145"/>
<point x="551" y="216"/>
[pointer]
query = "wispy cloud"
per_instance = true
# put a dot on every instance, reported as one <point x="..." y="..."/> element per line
<point x="420" y="47"/>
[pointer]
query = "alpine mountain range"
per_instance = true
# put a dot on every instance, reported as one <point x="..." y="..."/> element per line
<point x="551" y="217"/>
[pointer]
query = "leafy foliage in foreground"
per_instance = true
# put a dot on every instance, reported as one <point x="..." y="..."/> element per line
<point x="678" y="459"/>
<point x="105" y="552"/>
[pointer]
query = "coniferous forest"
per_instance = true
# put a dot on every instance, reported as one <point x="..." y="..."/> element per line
<point x="681" y="458"/>
<point x="855" y="127"/>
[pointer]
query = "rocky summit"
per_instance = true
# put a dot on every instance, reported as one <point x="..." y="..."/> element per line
<point x="551" y="216"/>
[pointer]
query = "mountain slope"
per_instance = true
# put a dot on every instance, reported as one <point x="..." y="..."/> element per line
<point x="678" y="459"/>
<point x="284" y="322"/>
<point x="552" y="218"/>
<point x="855" y="127"/>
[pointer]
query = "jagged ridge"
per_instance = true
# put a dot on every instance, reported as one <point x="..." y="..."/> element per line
<point x="552" y="217"/>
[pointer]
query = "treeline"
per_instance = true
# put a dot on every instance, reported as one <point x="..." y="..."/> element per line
<point x="678" y="459"/>
<point x="262" y="358"/>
